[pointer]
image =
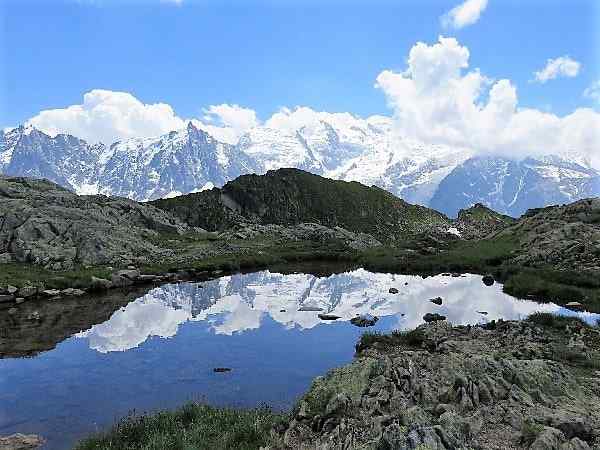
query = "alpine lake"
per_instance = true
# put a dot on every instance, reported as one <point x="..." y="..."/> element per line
<point x="71" y="367"/>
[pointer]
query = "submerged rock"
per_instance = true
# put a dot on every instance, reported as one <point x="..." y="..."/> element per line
<point x="364" y="320"/>
<point x="436" y="300"/>
<point x="433" y="317"/>
<point x="328" y="317"/>
<point x="488" y="280"/>
<point x="310" y="308"/>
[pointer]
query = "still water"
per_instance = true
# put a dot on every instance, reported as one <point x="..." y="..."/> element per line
<point x="158" y="350"/>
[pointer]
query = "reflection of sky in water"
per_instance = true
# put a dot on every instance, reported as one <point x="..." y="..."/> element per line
<point x="241" y="302"/>
<point x="159" y="350"/>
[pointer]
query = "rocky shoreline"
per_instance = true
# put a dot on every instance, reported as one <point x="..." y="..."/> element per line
<point x="505" y="385"/>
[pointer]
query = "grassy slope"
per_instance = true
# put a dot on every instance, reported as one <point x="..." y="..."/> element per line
<point x="289" y="197"/>
<point x="193" y="426"/>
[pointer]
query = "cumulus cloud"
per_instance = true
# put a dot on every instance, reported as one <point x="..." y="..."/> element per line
<point x="438" y="101"/>
<point x="108" y="116"/>
<point x="563" y="66"/>
<point x="465" y="14"/>
<point x="227" y="122"/>
<point x="593" y="91"/>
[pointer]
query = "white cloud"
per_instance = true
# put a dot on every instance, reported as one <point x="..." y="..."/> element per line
<point x="438" y="102"/>
<point x="563" y="66"/>
<point x="107" y="116"/>
<point x="176" y="2"/>
<point x="467" y="13"/>
<point x="593" y="91"/>
<point x="227" y="122"/>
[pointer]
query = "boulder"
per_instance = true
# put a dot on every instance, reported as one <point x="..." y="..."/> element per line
<point x="328" y="317"/>
<point x="20" y="442"/>
<point x="364" y="320"/>
<point x="5" y="298"/>
<point x="124" y="278"/>
<point x="100" y="284"/>
<point x="433" y="317"/>
<point x="28" y="291"/>
<point x="50" y="292"/>
<point x="72" y="292"/>
<point x="393" y="290"/>
<point x="310" y="308"/>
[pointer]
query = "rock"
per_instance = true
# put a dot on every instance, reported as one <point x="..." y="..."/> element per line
<point x="364" y="320"/>
<point x="147" y="278"/>
<point x="484" y="313"/>
<point x="310" y="308"/>
<point x="6" y="298"/>
<point x="393" y="290"/>
<point x="131" y="267"/>
<point x="433" y="317"/>
<point x="574" y="305"/>
<point x="51" y="292"/>
<point x="100" y="284"/>
<point x="328" y="317"/>
<point x="72" y="292"/>
<point x="12" y="311"/>
<point x="282" y="310"/>
<point x="28" y="291"/>
<point x="124" y="278"/>
<point x="573" y="427"/>
<point x="35" y="315"/>
<point x="221" y="369"/>
<point x="455" y="275"/>
<point x="19" y="300"/>
<point x="488" y="280"/>
<point x="5" y="258"/>
<point x="436" y="300"/>
<point x="548" y="439"/>
<point x="11" y="290"/>
<point x="20" y="442"/>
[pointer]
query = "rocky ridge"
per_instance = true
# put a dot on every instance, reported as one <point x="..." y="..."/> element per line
<point x="505" y="385"/>
<point x="290" y="196"/>
<point x="562" y="237"/>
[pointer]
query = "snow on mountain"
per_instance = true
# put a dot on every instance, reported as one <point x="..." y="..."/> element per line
<point x="338" y="146"/>
<point x="179" y="162"/>
<point x="512" y="186"/>
<point x="64" y="159"/>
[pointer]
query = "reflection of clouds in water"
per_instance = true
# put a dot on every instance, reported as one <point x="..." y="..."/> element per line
<point x="239" y="302"/>
<point x="132" y="325"/>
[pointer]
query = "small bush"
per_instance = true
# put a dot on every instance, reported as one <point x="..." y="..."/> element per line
<point x="413" y="338"/>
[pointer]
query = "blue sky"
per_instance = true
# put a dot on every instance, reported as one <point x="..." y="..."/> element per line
<point x="269" y="54"/>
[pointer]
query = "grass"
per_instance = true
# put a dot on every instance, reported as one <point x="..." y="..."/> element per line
<point x="193" y="426"/>
<point x="555" y="286"/>
<point x="460" y="256"/>
<point x="555" y="321"/>
<point x="20" y="274"/>
<point x="413" y="339"/>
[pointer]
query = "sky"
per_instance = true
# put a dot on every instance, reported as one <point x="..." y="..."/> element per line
<point x="457" y="72"/>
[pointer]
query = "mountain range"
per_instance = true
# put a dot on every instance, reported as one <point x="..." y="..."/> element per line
<point x="369" y="151"/>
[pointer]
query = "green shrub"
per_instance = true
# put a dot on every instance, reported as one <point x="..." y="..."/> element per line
<point x="193" y="426"/>
<point x="555" y="321"/>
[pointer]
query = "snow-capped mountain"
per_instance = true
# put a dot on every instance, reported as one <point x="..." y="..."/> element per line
<point x="63" y="159"/>
<point x="179" y="162"/>
<point x="338" y="146"/>
<point x="512" y="187"/>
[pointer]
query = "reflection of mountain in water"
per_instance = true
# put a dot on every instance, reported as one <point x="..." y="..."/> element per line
<point x="239" y="302"/>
